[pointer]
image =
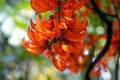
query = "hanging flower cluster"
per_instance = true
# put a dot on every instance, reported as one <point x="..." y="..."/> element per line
<point x="60" y="37"/>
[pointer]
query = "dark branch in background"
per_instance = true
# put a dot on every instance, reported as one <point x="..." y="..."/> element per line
<point x="106" y="14"/>
<point x="111" y="15"/>
<point x="109" y="33"/>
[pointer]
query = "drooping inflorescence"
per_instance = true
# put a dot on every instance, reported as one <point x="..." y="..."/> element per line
<point x="59" y="38"/>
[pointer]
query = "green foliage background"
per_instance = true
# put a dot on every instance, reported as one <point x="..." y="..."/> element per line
<point x="15" y="62"/>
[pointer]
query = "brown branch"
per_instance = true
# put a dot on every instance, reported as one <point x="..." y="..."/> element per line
<point x="109" y="33"/>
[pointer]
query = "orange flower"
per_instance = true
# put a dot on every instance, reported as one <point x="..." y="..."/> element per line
<point x="76" y="36"/>
<point x="43" y="5"/>
<point x="33" y="47"/>
<point x="76" y="25"/>
<point x="59" y="64"/>
<point x="68" y="8"/>
<point x="61" y="41"/>
<point x="96" y="71"/>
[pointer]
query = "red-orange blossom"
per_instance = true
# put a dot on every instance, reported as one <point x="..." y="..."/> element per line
<point x="61" y="41"/>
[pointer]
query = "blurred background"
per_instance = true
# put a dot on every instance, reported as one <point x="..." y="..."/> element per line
<point x="15" y="62"/>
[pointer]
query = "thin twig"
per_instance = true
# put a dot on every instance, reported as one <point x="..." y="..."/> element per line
<point x="89" y="7"/>
<point x="106" y="14"/>
<point x="117" y="66"/>
<point x="59" y="9"/>
<point x="116" y="11"/>
<point x="111" y="15"/>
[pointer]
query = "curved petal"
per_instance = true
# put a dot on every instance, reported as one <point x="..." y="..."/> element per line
<point x="75" y="25"/>
<point x="32" y="24"/>
<point x="32" y="47"/>
<point x="75" y="36"/>
<point x="58" y="64"/>
<point x="30" y="34"/>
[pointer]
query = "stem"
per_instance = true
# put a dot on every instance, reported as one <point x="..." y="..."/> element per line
<point x="117" y="66"/>
<point x="116" y="11"/>
<point x="89" y="7"/>
<point x="109" y="32"/>
<point x="27" y="70"/>
<point x="59" y="9"/>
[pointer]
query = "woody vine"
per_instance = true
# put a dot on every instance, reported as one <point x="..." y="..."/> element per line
<point x="62" y="37"/>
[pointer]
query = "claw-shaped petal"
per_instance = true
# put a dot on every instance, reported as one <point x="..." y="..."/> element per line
<point x="75" y="25"/>
<point x="75" y="36"/>
<point x="32" y="24"/>
<point x="33" y="47"/>
<point x="58" y="64"/>
<point x="45" y="28"/>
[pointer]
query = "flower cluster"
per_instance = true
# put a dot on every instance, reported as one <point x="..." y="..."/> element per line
<point x="60" y="37"/>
